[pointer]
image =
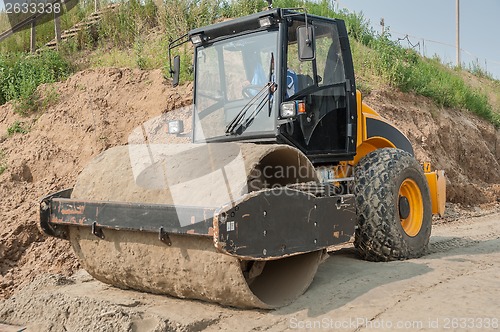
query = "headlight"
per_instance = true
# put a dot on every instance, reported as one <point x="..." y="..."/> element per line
<point x="175" y="127"/>
<point x="266" y="21"/>
<point x="197" y="39"/>
<point x="291" y="109"/>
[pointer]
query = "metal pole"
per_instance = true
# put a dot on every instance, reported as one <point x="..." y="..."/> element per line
<point x="382" y="24"/>
<point x="459" y="62"/>
<point x="33" y="37"/>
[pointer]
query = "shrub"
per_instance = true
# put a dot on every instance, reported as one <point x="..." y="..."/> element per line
<point x="21" y="74"/>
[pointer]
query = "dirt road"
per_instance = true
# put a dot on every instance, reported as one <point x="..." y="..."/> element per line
<point x="454" y="287"/>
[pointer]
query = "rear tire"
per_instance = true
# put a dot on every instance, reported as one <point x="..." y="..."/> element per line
<point x="393" y="206"/>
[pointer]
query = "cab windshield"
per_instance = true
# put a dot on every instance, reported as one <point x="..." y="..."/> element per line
<point x="232" y="81"/>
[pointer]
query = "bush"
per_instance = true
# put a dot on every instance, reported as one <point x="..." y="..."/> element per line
<point x="122" y="27"/>
<point x="21" y="74"/>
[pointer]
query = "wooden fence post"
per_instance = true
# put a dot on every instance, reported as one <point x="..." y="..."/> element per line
<point x="57" y="29"/>
<point x="33" y="37"/>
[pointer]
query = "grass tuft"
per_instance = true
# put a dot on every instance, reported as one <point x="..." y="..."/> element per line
<point x="18" y="127"/>
<point x="3" y="165"/>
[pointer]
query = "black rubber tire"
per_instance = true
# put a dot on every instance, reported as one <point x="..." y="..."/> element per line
<point x="379" y="234"/>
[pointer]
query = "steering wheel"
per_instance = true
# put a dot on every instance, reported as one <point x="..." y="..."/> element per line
<point x="251" y="90"/>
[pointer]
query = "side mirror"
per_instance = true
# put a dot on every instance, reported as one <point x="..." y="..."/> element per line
<point x="306" y="43"/>
<point x="176" y="71"/>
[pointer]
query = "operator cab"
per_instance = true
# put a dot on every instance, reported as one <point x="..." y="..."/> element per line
<point x="278" y="76"/>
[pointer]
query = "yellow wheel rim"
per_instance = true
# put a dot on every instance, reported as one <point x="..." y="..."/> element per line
<point x="411" y="207"/>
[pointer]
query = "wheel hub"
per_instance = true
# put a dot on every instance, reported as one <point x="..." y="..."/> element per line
<point x="404" y="207"/>
<point x="411" y="207"/>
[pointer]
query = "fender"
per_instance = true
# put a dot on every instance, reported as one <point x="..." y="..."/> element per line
<point x="380" y="128"/>
<point x="374" y="132"/>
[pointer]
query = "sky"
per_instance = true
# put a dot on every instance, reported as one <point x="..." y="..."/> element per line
<point x="434" y="21"/>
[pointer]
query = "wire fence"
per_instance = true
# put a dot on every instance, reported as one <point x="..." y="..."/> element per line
<point x="445" y="52"/>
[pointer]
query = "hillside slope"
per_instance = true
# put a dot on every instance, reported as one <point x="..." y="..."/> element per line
<point x="97" y="109"/>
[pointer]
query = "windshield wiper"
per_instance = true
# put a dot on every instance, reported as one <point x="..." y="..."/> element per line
<point x="239" y="124"/>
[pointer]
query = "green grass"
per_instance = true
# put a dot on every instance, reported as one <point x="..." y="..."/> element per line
<point x="18" y="127"/>
<point x="21" y="74"/>
<point x="3" y="165"/>
<point x="476" y="70"/>
<point x="409" y="72"/>
<point x="123" y="27"/>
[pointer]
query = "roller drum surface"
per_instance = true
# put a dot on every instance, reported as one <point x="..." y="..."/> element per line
<point x="191" y="267"/>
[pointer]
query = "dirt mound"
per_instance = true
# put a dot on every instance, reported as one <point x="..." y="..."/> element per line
<point x="464" y="145"/>
<point x="93" y="110"/>
<point x="97" y="109"/>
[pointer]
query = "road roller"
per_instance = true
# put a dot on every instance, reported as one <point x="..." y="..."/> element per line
<point x="284" y="160"/>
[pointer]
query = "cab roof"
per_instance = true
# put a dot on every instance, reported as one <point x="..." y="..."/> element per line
<point x="238" y="25"/>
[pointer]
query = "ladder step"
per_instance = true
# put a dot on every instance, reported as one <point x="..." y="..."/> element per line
<point x="85" y="24"/>
<point x="72" y="30"/>
<point x="66" y="35"/>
